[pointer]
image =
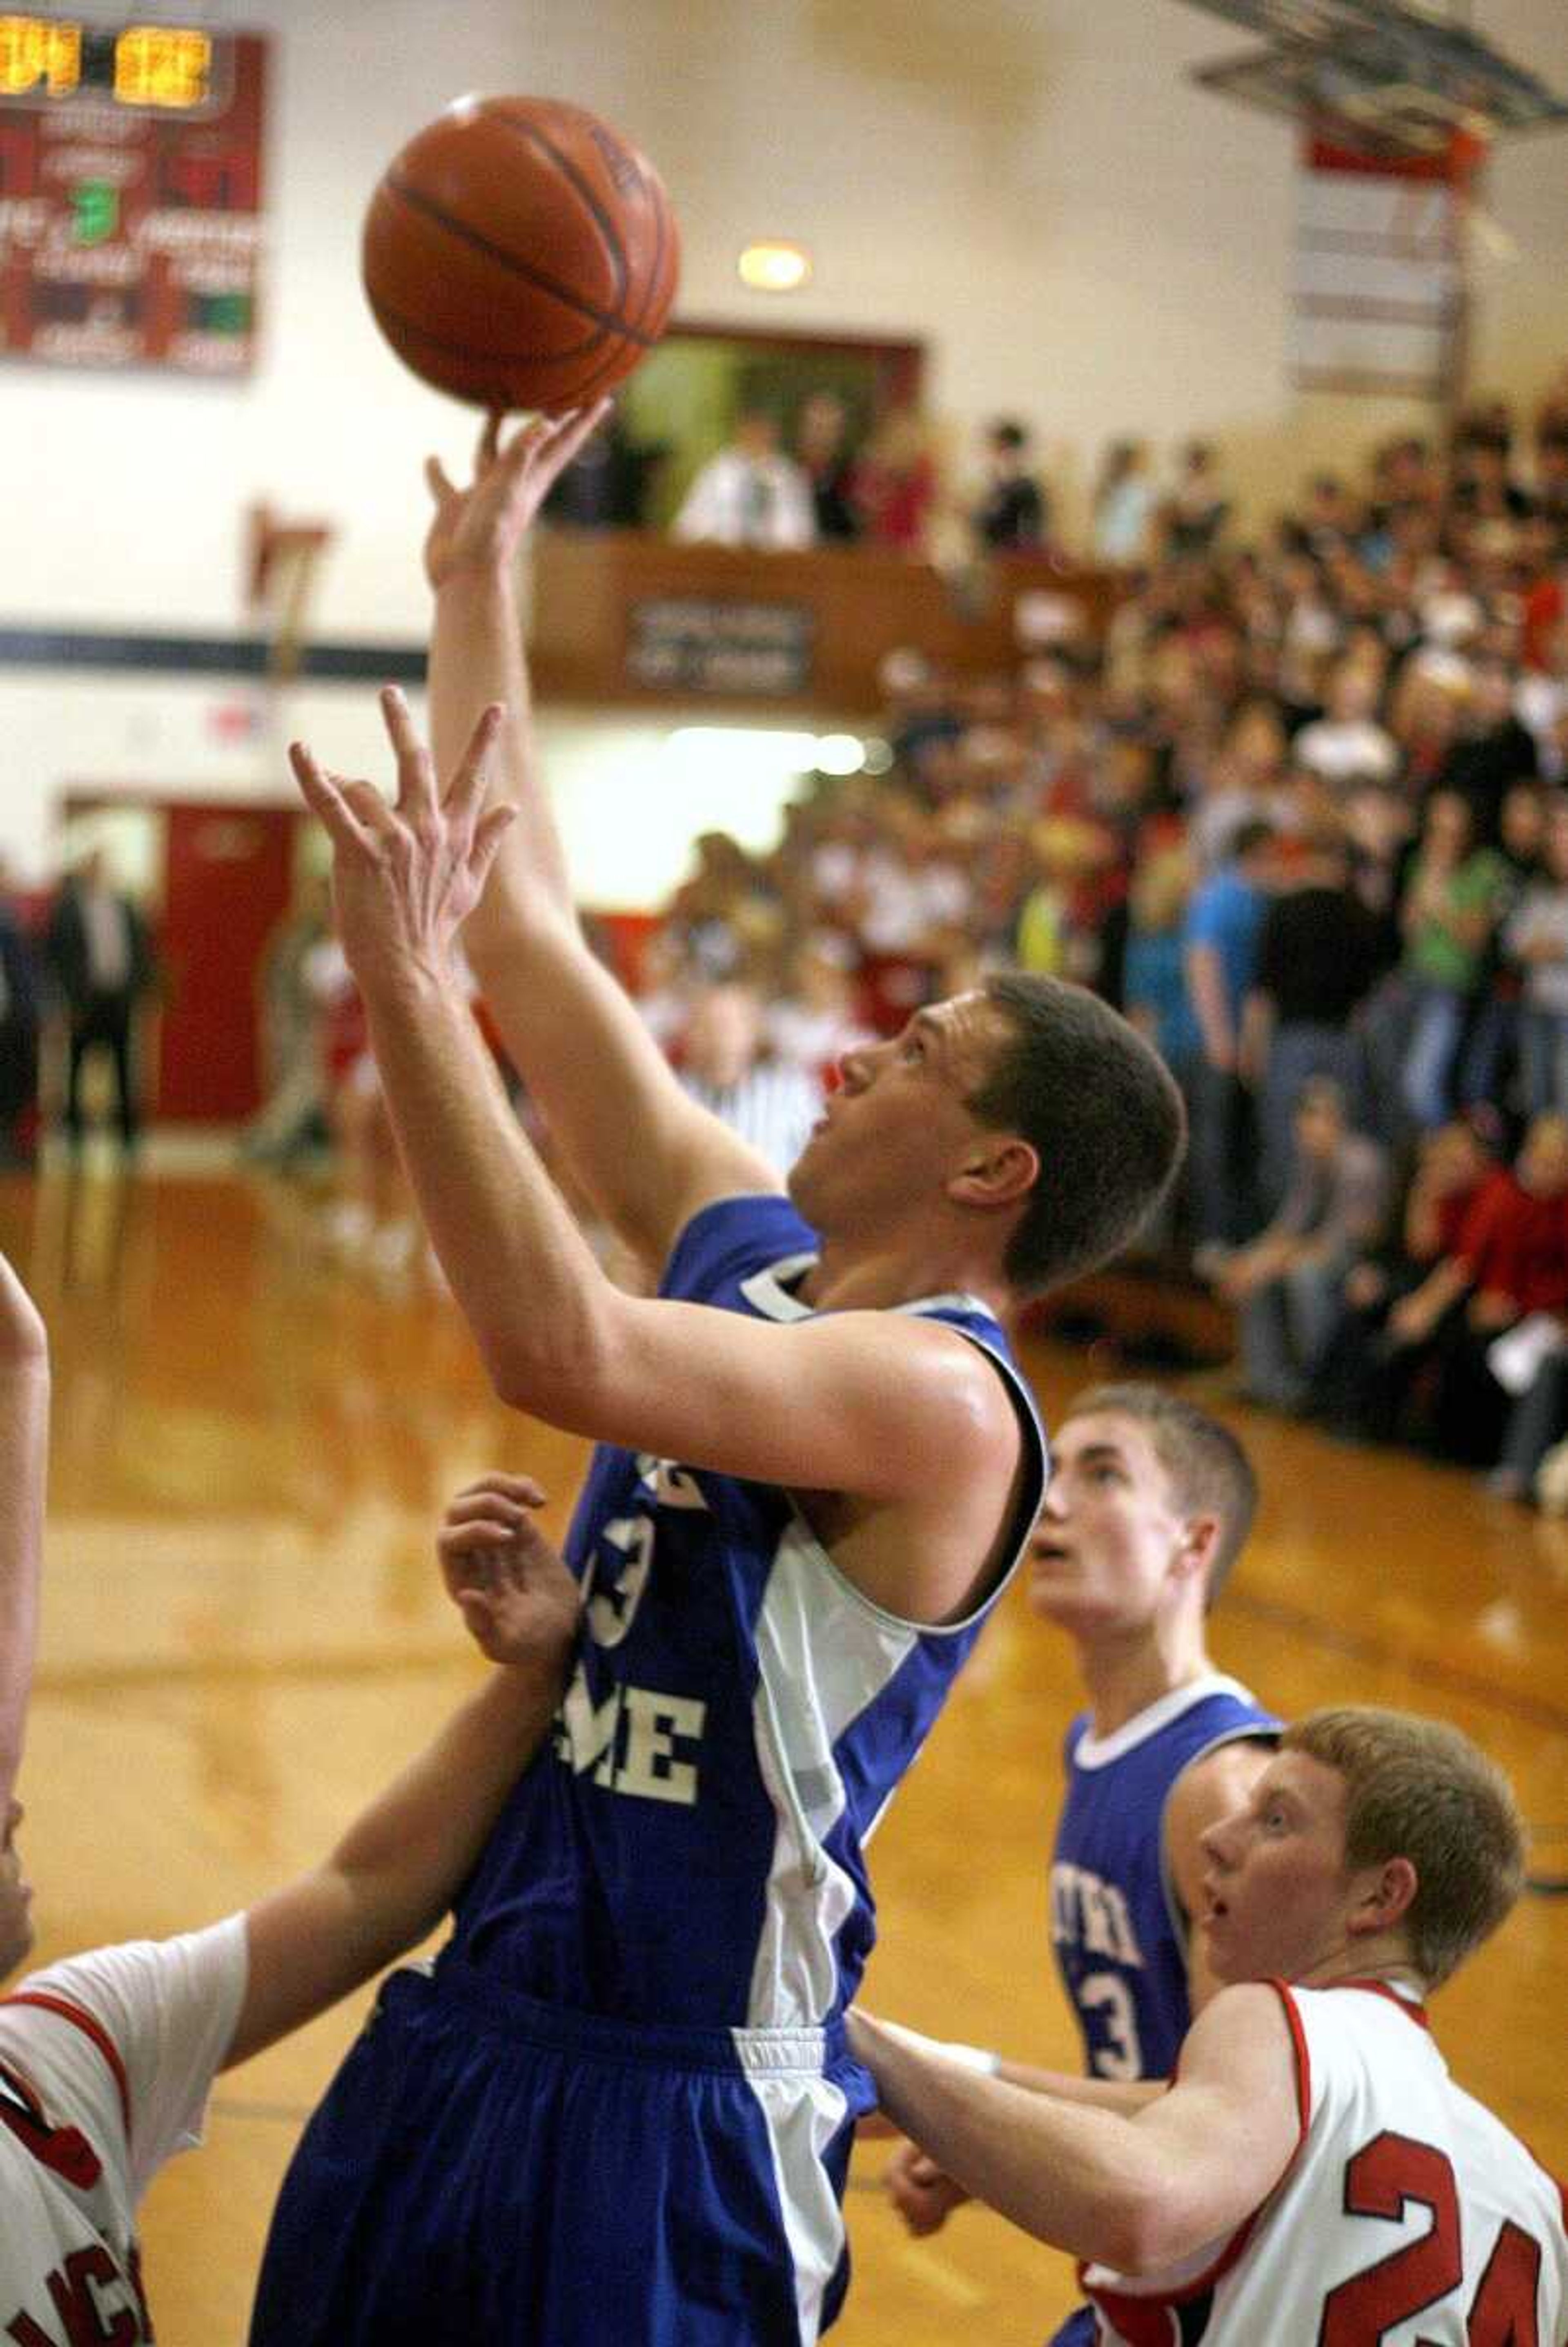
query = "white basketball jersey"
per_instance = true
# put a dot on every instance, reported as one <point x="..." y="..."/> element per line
<point x="105" y="2062"/>
<point x="1409" y="2216"/>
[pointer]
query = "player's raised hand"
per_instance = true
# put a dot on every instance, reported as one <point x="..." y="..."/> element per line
<point x="480" y="527"/>
<point x="923" y="2196"/>
<point x="517" y="1600"/>
<point x="406" y="876"/>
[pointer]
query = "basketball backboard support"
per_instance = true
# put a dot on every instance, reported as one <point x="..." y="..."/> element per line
<point x="282" y="566"/>
<point x="1383" y="75"/>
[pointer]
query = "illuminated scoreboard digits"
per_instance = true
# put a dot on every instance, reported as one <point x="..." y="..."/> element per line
<point x="162" y="66"/>
<point x="166" y="66"/>
<point x="39" y="58"/>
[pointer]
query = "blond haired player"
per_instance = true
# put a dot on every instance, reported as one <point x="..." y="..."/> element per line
<point x="1314" y="2178"/>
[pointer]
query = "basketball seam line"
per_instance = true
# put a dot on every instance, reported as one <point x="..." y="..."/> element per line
<point x="480" y="359"/>
<point x="510" y="260"/>
<point x="574" y="178"/>
<point x="653" y="278"/>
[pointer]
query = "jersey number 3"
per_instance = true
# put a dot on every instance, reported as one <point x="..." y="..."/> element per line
<point x="1382" y="2179"/>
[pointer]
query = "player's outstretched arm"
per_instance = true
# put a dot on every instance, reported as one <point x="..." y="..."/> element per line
<point x="1136" y="2193"/>
<point x="391" y="1877"/>
<point x="24" y="1468"/>
<point x="580" y="1047"/>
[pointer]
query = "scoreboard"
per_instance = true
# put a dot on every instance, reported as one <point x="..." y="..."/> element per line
<point x="130" y="193"/>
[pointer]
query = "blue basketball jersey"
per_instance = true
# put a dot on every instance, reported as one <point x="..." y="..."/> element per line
<point x="691" y="1850"/>
<point x="1118" y="1930"/>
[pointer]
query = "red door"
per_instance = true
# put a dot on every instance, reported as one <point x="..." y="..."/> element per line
<point x="227" y="881"/>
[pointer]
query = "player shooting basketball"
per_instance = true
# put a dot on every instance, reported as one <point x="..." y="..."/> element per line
<point x="817" y="1468"/>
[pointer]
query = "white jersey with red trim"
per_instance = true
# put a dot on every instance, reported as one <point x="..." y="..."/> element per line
<point x="106" y="2063"/>
<point x="1408" y="2217"/>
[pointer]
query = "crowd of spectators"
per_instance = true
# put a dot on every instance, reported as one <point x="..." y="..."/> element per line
<point x="1303" y="812"/>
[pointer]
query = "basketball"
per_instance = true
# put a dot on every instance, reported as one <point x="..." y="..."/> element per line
<point x="519" y="253"/>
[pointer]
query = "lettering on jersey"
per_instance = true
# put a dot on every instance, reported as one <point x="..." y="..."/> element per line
<point x="633" y="1741"/>
<point x="95" y="2305"/>
<point x="1090" y="1914"/>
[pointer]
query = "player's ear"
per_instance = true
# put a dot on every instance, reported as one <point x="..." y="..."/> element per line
<point x="1387" y="1897"/>
<point x="1198" y="1548"/>
<point x="997" y="1169"/>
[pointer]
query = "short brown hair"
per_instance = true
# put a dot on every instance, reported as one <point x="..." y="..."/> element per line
<point x="1416" y="1788"/>
<point x="1210" y="1473"/>
<point x="1103" y="1113"/>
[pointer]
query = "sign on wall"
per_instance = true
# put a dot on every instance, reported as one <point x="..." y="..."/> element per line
<point x="130" y="194"/>
<point x="698" y="644"/>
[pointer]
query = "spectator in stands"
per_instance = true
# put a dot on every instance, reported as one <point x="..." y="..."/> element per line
<point x="1287" y="1283"/>
<point x="1241" y="784"/>
<point x="1347" y="745"/>
<point x="1013" y="515"/>
<point x="1154" y="993"/>
<point x="1319" y="956"/>
<point x="1197" y="509"/>
<point x="749" y="492"/>
<point x="1512" y="1262"/>
<point x="1122" y="506"/>
<point x="609" y="481"/>
<point x="1453" y="901"/>
<point x="1536" y="938"/>
<point x="1220" y="959"/>
<point x="821" y="451"/>
<point x="771" y="1103"/>
<point x="1493" y="750"/>
<point x="1360" y="1382"/>
<point x="19" y="1019"/>
<point x="101" y="956"/>
<point x="893" y="485"/>
<point x="291" y="1121"/>
<point x="816" y="1022"/>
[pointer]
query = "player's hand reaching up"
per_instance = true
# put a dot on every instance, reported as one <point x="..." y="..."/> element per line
<point x="480" y="528"/>
<point x="924" y="2198"/>
<point x="517" y="1599"/>
<point x="405" y="877"/>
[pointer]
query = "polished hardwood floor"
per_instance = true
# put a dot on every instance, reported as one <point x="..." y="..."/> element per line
<point x="244" y="1633"/>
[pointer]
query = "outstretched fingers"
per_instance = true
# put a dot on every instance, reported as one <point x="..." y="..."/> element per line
<point x="416" y="791"/>
<point x="465" y="793"/>
<point x="327" y="796"/>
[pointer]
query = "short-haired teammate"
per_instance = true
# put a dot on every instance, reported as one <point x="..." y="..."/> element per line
<point x="1313" y="2178"/>
<point x="622" y="2107"/>
<point x="1149" y="1504"/>
<point x="107" y="2059"/>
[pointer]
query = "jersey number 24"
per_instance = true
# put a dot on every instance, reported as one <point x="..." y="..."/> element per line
<point x="1382" y="2178"/>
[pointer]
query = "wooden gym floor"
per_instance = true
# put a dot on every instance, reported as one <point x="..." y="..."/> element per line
<point x="243" y="1636"/>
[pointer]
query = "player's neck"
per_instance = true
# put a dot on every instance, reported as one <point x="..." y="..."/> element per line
<point x="1385" y="1961"/>
<point x="1122" y="1676"/>
<point x="848" y="1276"/>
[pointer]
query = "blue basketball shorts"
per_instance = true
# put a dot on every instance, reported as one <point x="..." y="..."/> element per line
<point x="487" y="2171"/>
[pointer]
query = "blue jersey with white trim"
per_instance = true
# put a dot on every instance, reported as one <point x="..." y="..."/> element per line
<point x="1117" y="1931"/>
<point x="691" y="1847"/>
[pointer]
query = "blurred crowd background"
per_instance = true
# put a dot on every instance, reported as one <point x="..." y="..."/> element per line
<point x="1302" y="810"/>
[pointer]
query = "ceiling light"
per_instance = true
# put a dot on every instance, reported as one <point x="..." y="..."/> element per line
<point x="774" y="267"/>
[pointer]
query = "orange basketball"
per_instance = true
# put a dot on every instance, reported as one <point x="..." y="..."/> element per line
<point x="519" y="253"/>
